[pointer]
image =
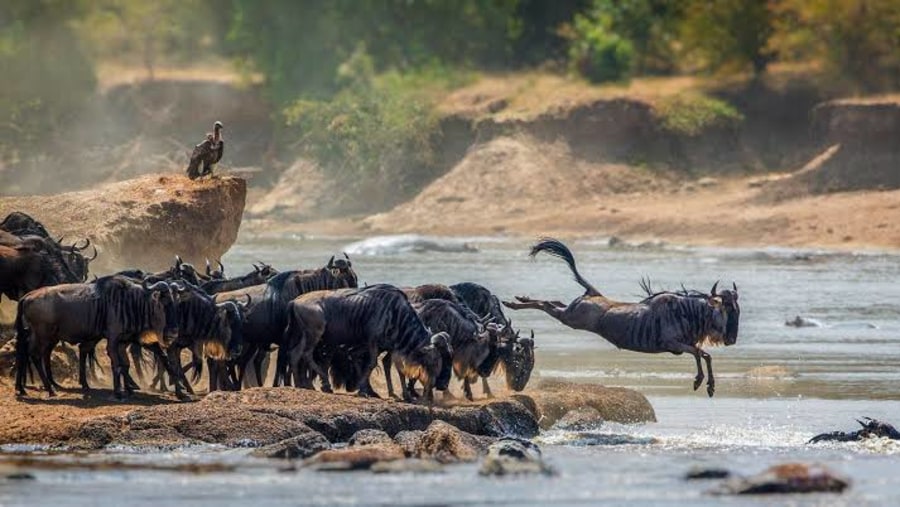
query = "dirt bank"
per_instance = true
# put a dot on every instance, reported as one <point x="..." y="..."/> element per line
<point x="145" y="221"/>
<point x="264" y="416"/>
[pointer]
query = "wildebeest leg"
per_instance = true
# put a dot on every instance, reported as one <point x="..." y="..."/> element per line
<point x="43" y="368"/>
<point x="526" y="303"/>
<point x="130" y="385"/>
<point x="173" y="354"/>
<point x="486" y="388"/>
<point x="386" y="365"/>
<point x="115" y="360"/>
<point x="711" y="383"/>
<point x="467" y="389"/>
<point x="258" y="358"/>
<point x="84" y="351"/>
<point x="243" y="360"/>
<point x="365" y="386"/>
<point x="170" y="368"/>
<point x="679" y="348"/>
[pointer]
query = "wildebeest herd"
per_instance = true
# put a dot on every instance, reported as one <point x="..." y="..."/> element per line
<point x="324" y="326"/>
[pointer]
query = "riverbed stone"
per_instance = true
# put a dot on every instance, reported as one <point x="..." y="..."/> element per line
<point x="409" y="465"/>
<point x="359" y="457"/>
<point x="787" y="478"/>
<point x="299" y="447"/>
<point x="448" y="444"/>
<point x="580" y="419"/>
<point x="554" y="398"/>
<point x="370" y="436"/>
<point x="511" y="456"/>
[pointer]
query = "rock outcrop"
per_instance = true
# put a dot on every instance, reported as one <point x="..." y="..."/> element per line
<point x="145" y="221"/>
<point x="554" y="399"/>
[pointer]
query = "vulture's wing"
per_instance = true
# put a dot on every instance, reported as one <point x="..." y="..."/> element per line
<point x="201" y="153"/>
<point x="218" y="151"/>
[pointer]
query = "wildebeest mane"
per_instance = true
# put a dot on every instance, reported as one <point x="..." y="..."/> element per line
<point x="126" y="300"/>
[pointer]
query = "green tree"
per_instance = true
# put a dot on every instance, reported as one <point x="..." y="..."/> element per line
<point x="857" y="40"/>
<point x="48" y="76"/>
<point x="729" y="34"/>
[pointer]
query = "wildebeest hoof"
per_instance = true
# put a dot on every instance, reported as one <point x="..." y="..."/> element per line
<point x="711" y="390"/>
<point x="327" y="389"/>
<point x="697" y="382"/>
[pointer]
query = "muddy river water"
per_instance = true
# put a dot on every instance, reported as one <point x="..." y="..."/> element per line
<point x="778" y="386"/>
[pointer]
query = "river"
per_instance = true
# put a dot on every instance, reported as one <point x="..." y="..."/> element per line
<point x="776" y="387"/>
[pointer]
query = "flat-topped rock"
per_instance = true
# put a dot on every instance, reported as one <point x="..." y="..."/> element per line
<point x="144" y="222"/>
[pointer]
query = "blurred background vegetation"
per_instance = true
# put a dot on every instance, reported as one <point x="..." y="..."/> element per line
<point x="353" y="83"/>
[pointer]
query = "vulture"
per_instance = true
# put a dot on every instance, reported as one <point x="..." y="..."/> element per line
<point x="209" y="152"/>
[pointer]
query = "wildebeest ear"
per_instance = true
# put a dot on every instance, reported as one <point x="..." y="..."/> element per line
<point x="349" y="264"/>
<point x="330" y="262"/>
<point x="713" y="291"/>
<point x="734" y="285"/>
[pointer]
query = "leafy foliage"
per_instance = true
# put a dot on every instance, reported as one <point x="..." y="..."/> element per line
<point x="597" y="52"/>
<point x="729" y="34"/>
<point x="47" y="75"/>
<point x="690" y="114"/>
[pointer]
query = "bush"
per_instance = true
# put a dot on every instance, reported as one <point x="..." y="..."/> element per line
<point x="597" y="53"/>
<point x="691" y="113"/>
<point x="374" y="137"/>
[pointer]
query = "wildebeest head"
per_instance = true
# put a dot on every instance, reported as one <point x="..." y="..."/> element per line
<point x="75" y="259"/>
<point x="185" y="271"/>
<point x="517" y="357"/>
<point x="215" y="274"/>
<point x="231" y="317"/>
<point x="343" y="270"/>
<point x="727" y="302"/>
<point x="264" y="270"/>
<point x="441" y="344"/>
<point x="164" y="310"/>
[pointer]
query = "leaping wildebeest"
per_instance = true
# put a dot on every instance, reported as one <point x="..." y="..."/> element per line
<point x="675" y="322"/>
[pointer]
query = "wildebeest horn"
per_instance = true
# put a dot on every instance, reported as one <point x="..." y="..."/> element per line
<point x="734" y="285"/>
<point x="87" y="243"/>
<point x="349" y="264"/>
<point x="178" y="287"/>
<point x="60" y="239"/>
<point x="255" y="267"/>
<point x="93" y="256"/>
<point x="178" y="260"/>
<point x="713" y="291"/>
<point x="221" y="267"/>
<point x="208" y="268"/>
<point x="331" y="262"/>
<point x="249" y="300"/>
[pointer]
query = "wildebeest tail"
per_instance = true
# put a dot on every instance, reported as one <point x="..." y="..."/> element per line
<point x="557" y="249"/>
<point x="137" y="357"/>
<point x="346" y="371"/>
<point x="92" y="362"/>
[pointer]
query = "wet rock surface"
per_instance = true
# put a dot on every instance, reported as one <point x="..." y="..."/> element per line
<point x="580" y="419"/>
<point x="554" y="399"/>
<point x="447" y="444"/>
<point x="786" y="478"/>
<point x="360" y="457"/>
<point x="299" y="447"/>
<point x="510" y="456"/>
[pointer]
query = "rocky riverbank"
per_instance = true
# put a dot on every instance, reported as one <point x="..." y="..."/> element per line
<point x="276" y="420"/>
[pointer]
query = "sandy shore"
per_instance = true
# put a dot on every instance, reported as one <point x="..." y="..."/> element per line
<point x="735" y="212"/>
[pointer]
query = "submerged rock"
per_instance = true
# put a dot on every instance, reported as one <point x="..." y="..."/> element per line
<point x="370" y="437"/>
<point x="580" y="419"/>
<point x="514" y="456"/>
<point x="786" y="478"/>
<point x="448" y="444"/>
<point x="409" y="465"/>
<point x="299" y="447"/>
<point x="707" y="473"/>
<point x="799" y="321"/>
<point x="360" y="457"/>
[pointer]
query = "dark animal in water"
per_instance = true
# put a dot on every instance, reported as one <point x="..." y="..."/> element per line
<point x="260" y="274"/>
<point x="510" y="352"/>
<point x="116" y="308"/>
<point x="663" y="322"/>
<point x="871" y="428"/>
<point x="363" y="323"/>
<point x="208" y="153"/>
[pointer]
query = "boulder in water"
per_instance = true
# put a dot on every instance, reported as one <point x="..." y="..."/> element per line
<point x="580" y="419"/>
<point x="512" y="456"/>
<point x="786" y="478"/>
<point x="799" y="321"/>
<point x="299" y="447"/>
